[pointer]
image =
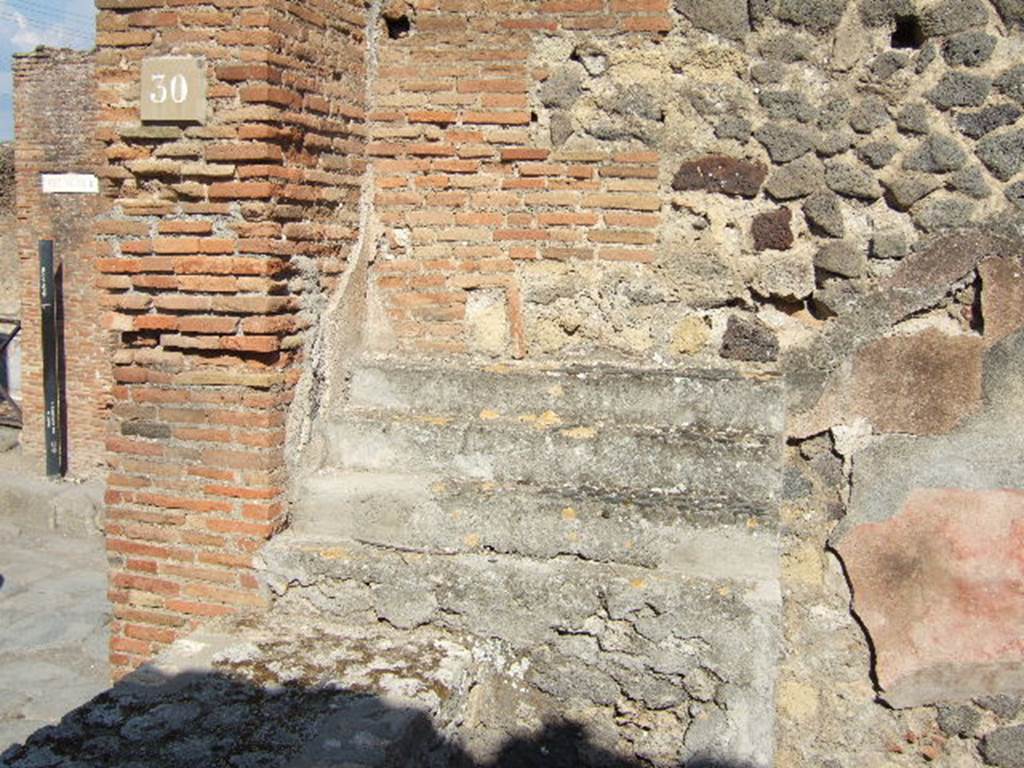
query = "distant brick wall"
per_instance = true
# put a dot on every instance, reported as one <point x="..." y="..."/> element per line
<point x="219" y="236"/>
<point x="55" y="127"/>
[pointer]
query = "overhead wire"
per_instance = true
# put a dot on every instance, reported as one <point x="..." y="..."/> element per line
<point x="41" y="26"/>
<point x="44" y="9"/>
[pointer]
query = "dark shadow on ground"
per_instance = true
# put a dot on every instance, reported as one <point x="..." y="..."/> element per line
<point x="211" y="719"/>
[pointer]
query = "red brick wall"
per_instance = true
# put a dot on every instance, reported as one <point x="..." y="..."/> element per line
<point x="219" y="237"/>
<point x="466" y="184"/>
<point x="55" y="126"/>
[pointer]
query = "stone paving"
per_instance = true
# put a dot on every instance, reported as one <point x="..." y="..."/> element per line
<point x="54" y="620"/>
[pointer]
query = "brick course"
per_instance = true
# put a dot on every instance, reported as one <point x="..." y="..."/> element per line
<point x="218" y="237"/>
<point x="55" y="126"/>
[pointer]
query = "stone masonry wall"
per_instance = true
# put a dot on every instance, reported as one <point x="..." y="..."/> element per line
<point x="220" y="239"/>
<point x="55" y="127"/>
<point x="684" y="183"/>
<point x="826" y="191"/>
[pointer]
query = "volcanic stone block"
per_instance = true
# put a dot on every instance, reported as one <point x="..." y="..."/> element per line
<point x="1011" y="83"/>
<point x="938" y="589"/>
<point x="841" y="259"/>
<point x="970" y="181"/>
<point x="905" y="189"/>
<point x="849" y="180"/>
<point x="1012" y="11"/>
<point x="1003" y="153"/>
<point x="721" y="174"/>
<point x="913" y="118"/>
<point x="1004" y="747"/>
<point x="920" y="385"/>
<point x="788" y="105"/>
<point x="879" y="13"/>
<point x="734" y="127"/>
<point x="971" y="49"/>
<point x="948" y="17"/>
<point x="749" y="340"/>
<point x="797" y="179"/>
<point x="784" y="143"/>
<point x="824" y="214"/>
<point x="877" y="154"/>
<point x="960" y="89"/>
<point x="942" y="211"/>
<point x="984" y="121"/>
<point x="772" y="230"/>
<point x="728" y="18"/>
<point x="816" y="15"/>
<point x="869" y="115"/>
<point x="936" y="154"/>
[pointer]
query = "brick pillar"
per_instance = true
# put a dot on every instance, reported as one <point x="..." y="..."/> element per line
<point x="55" y="127"/>
<point x="220" y="236"/>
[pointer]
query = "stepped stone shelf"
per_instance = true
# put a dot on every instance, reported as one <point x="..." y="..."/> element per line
<point x="609" y="534"/>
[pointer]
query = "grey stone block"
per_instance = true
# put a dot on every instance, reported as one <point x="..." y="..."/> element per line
<point x="877" y="154"/>
<point x="1011" y="83"/>
<point x="787" y="48"/>
<point x="824" y="214"/>
<point x="847" y="179"/>
<point x="833" y="113"/>
<point x="887" y="64"/>
<point x="841" y="258"/>
<point x="959" y="720"/>
<point x="1012" y="11"/>
<point x="889" y="245"/>
<point x="960" y="89"/>
<point x="768" y="72"/>
<point x="948" y="17"/>
<point x="563" y="87"/>
<point x="983" y="121"/>
<point x="798" y="179"/>
<point x="575" y="393"/>
<point x="1015" y="194"/>
<point x="816" y="15"/>
<point x="970" y="49"/>
<point x="734" y="127"/>
<point x="1004" y="705"/>
<point x="869" y="114"/>
<point x="832" y="143"/>
<point x="971" y="181"/>
<point x="936" y="154"/>
<point x="788" y="105"/>
<point x="1004" y="747"/>
<point x="730" y="18"/>
<point x="880" y="13"/>
<point x="941" y="212"/>
<point x="784" y="143"/>
<point x="913" y="118"/>
<point x="1002" y="153"/>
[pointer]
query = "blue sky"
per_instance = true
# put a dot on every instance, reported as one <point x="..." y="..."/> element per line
<point x="25" y="24"/>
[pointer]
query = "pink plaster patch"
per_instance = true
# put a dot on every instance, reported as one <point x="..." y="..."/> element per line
<point x="940" y="589"/>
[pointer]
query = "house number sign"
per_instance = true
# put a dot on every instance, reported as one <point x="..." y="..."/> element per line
<point x="173" y="90"/>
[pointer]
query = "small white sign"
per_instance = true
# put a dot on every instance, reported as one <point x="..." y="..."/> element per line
<point x="71" y="183"/>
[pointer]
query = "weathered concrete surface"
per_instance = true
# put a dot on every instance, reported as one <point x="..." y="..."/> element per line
<point x="938" y="588"/>
<point x="611" y="530"/>
<point x="54" y="620"/>
<point x="695" y="655"/>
